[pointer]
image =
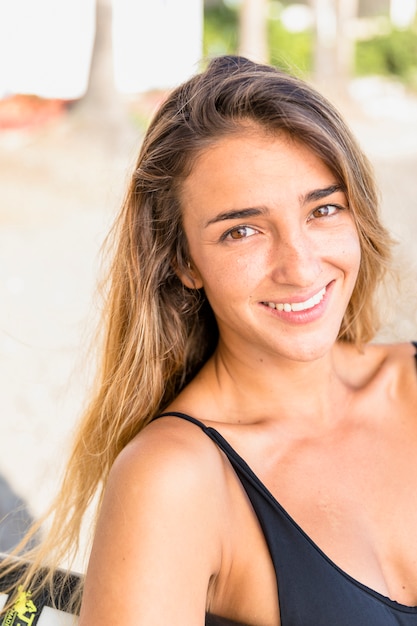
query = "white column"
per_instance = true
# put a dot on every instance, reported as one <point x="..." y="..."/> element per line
<point x="156" y="43"/>
<point x="253" y="36"/>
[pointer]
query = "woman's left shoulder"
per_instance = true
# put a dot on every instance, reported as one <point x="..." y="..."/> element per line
<point x="399" y="355"/>
<point x="398" y="365"/>
<point x="394" y="364"/>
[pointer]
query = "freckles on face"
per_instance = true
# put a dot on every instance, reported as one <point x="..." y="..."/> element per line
<point x="268" y="224"/>
<point x="244" y="180"/>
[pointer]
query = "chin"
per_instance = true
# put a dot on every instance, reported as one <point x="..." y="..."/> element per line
<point x="305" y="349"/>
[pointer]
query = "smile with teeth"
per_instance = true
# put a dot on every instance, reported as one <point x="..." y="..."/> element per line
<point x="298" y="306"/>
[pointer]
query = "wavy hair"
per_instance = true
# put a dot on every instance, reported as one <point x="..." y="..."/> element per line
<point x="158" y="333"/>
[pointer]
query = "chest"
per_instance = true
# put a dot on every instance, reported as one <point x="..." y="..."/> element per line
<point x="353" y="492"/>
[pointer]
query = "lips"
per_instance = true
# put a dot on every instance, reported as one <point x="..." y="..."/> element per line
<point x="298" y="306"/>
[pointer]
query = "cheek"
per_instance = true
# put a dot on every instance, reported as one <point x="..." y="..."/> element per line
<point x="227" y="275"/>
<point x="227" y="281"/>
<point x="354" y="250"/>
<point x="350" y="251"/>
<point x="345" y="246"/>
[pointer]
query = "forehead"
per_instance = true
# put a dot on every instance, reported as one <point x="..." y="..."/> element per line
<point x="253" y="166"/>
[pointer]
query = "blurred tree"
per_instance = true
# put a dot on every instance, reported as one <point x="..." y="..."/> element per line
<point x="139" y="48"/>
<point x="334" y="44"/>
<point x="101" y="95"/>
<point x="322" y="39"/>
<point x="253" y="33"/>
<point x="102" y="106"/>
<point x="220" y="28"/>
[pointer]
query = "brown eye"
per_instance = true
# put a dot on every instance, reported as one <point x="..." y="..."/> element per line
<point x="327" y="210"/>
<point x="240" y="232"/>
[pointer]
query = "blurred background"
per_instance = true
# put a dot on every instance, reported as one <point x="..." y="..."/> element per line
<point x="79" y="80"/>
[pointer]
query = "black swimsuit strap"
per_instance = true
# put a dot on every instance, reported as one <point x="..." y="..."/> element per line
<point x="215" y="436"/>
<point x="184" y="416"/>
<point x="313" y="590"/>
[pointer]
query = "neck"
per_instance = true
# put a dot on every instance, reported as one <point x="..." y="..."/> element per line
<point x="277" y="387"/>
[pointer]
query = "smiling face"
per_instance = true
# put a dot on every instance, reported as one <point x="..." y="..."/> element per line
<point x="273" y="243"/>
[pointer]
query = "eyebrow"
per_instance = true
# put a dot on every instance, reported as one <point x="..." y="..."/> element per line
<point x="319" y="194"/>
<point x="238" y="214"/>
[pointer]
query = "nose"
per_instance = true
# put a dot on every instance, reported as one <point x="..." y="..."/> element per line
<point x="296" y="260"/>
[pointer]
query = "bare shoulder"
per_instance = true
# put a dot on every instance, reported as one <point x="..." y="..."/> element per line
<point x="400" y="366"/>
<point x="396" y="359"/>
<point x="392" y="366"/>
<point x="169" y="458"/>
<point x="382" y="382"/>
<point x="389" y="376"/>
<point x="171" y="442"/>
<point x="159" y="534"/>
<point x="171" y="471"/>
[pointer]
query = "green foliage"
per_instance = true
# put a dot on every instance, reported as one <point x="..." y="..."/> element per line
<point x="393" y="53"/>
<point x="220" y="30"/>
<point x="390" y="54"/>
<point x="291" y="51"/>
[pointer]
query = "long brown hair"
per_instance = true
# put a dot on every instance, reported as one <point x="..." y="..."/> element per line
<point x="158" y="333"/>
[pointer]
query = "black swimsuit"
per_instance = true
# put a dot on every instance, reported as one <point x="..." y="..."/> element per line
<point x="313" y="591"/>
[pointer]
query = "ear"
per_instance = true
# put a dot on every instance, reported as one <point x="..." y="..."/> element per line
<point x="189" y="275"/>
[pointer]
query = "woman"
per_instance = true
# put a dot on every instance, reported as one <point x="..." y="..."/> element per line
<point x="257" y="453"/>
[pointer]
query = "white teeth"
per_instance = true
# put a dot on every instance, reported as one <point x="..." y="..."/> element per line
<point x="299" y="306"/>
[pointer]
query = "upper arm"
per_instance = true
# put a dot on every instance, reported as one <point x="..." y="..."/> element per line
<point x="157" y="540"/>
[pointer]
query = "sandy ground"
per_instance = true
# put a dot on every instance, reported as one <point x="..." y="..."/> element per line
<point x="60" y="186"/>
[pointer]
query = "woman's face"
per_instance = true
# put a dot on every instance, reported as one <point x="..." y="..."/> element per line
<point x="273" y="243"/>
